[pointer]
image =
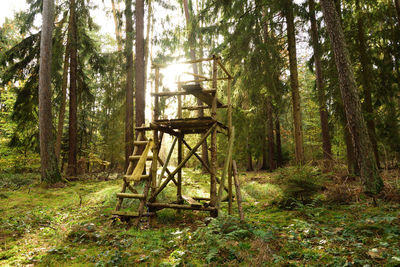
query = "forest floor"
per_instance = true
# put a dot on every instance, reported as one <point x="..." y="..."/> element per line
<point x="72" y="226"/>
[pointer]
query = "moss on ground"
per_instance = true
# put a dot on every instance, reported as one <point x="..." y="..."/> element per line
<point x="71" y="226"/>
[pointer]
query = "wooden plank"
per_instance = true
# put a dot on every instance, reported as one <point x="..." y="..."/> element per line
<point x="191" y="201"/>
<point x="223" y="68"/>
<point x="159" y="206"/>
<point x="138" y="157"/>
<point x="157" y="65"/>
<point x="137" y="172"/>
<point x="226" y="166"/>
<point x="202" y="107"/>
<point x="142" y="177"/>
<point x="213" y="176"/>
<point x="140" y="143"/>
<point x="127" y="195"/>
<point x="196" y="75"/>
<point x="200" y="93"/>
<point x="238" y="194"/>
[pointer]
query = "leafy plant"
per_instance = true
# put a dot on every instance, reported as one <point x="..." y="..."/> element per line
<point x="299" y="183"/>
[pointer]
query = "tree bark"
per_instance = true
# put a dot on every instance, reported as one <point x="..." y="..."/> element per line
<point x="48" y="160"/>
<point x="129" y="83"/>
<point x="140" y="104"/>
<point x="352" y="165"/>
<point x="249" y="158"/>
<point x="323" y="113"/>
<point x="115" y="10"/>
<point x="369" y="173"/>
<point x="367" y="83"/>
<point x="397" y="5"/>
<point x="61" y="115"/>
<point x="73" y="99"/>
<point x="192" y="45"/>
<point x="147" y="44"/>
<point x="270" y="135"/>
<point x="294" y="82"/>
<point x="279" y="159"/>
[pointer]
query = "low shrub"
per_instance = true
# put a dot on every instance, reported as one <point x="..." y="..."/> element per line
<point x="299" y="183"/>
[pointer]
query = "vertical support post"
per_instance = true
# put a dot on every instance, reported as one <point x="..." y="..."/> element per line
<point x="179" y="185"/>
<point x="155" y="134"/>
<point x="213" y="182"/>
<point x="180" y="152"/>
<point x="228" y="92"/>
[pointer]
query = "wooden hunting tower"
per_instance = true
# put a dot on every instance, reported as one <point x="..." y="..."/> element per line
<point x="178" y="128"/>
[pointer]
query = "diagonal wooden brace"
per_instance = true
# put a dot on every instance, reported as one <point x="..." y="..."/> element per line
<point x="188" y="156"/>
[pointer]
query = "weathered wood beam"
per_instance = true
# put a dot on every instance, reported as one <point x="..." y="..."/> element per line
<point x="179" y="206"/>
<point x="178" y="93"/>
<point x="156" y="65"/>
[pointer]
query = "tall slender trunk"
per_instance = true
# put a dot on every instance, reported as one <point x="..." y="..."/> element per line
<point x="352" y="165"/>
<point x="397" y="5"/>
<point x="192" y="44"/>
<point x="140" y="93"/>
<point x="129" y="83"/>
<point x="279" y="159"/>
<point x="61" y="115"/>
<point x="294" y="82"/>
<point x="268" y="107"/>
<point x="270" y="134"/>
<point x="264" y="165"/>
<point x="48" y="160"/>
<point x="367" y="83"/>
<point x="147" y="44"/>
<point x="73" y="99"/>
<point x="115" y="10"/>
<point x="249" y="158"/>
<point x="369" y="173"/>
<point x="323" y="112"/>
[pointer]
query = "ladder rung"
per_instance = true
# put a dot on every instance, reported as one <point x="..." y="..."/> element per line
<point x="128" y="195"/>
<point x="142" y="177"/>
<point x="142" y="128"/>
<point x="140" y="143"/>
<point x="137" y="157"/>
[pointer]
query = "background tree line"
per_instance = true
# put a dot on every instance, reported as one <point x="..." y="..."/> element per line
<point x="313" y="80"/>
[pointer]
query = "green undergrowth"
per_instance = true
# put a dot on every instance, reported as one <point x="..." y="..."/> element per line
<point x="72" y="226"/>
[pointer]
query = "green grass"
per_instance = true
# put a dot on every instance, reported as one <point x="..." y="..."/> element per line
<point x="71" y="226"/>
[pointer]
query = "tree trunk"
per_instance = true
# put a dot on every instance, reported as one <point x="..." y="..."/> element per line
<point x="129" y="83"/>
<point x="249" y="159"/>
<point x="279" y="160"/>
<point x="192" y="44"/>
<point x="397" y="4"/>
<point x="140" y="104"/>
<point x="323" y="113"/>
<point x="115" y="10"/>
<point x="369" y="173"/>
<point x="294" y="82"/>
<point x="270" y="135"/>
<point x="61" y="115"/>
<point x="48" y="159"/>
<point x="73" y="123"/>
<point x="264" y="165"/>
<point x="352" y="165"/>
<point x="367" y="83"/>
<point x="147" y="44"/>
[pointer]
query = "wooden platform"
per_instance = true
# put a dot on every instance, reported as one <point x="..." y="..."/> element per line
<point x="186" y="126"/>
<point x="197" y="91"/>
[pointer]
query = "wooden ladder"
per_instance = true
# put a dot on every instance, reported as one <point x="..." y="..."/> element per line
<point x="136" y="176"/>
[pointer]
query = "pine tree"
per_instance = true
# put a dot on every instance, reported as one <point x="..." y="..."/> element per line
<point x="49" y="168"/>
<point x="369" y="173"/>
